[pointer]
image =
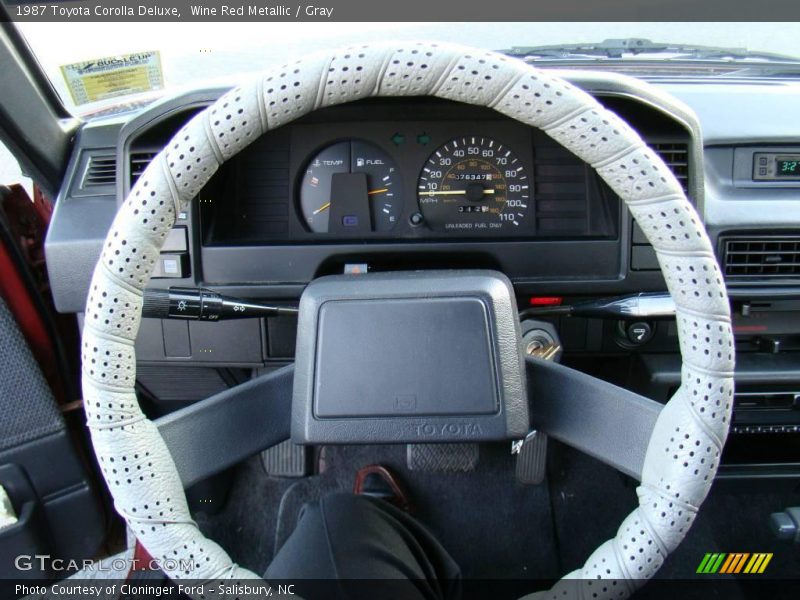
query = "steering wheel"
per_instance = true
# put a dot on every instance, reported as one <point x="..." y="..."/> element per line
<point x="684" y="449"/>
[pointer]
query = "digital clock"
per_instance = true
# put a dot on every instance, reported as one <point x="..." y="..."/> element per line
<point x="779" y="167"/>
<point x="787" y="166"/>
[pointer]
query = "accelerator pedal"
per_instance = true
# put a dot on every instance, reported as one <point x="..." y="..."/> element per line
<point x="453" y="458"/>
<point x="285" y="460"/>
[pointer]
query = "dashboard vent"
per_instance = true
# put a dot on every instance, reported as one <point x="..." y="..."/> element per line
<point x="763" y="257"/>
<point x="766" y="400"/>
<point x="676" y="155"/>
<point x="139" y="162"/>
<point x="100" y="171"/>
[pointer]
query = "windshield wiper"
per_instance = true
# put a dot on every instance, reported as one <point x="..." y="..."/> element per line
<point x="627" y="48"/>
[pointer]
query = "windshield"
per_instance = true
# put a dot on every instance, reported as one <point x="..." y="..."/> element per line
<point x="159" y="58"/>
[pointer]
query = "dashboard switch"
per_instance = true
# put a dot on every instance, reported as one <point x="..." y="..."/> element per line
<point x="176" y="240"/>
<point x="769" y="344"/>
<point x="355" y="268"/>
<point x="172" y="266"/>
<point x="639" y="333"/>
<point x="416" y="219"/>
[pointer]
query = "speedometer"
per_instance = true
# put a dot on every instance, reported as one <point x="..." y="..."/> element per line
<point x="472" y="185"/>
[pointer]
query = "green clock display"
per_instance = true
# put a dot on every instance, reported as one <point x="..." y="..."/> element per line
<point x="788" y="167"/>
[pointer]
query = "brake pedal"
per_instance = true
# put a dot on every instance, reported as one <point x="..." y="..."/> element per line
<point x="531" y="458"/>
<point x="442" y="457"/>
<point x="285" y="460"/>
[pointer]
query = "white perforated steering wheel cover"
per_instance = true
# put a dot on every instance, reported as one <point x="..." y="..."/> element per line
<point x="684" y="451"/>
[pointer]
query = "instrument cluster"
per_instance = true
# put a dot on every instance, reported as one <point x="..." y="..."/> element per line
<point x="470" y="184"/>
<point x="412" y="179"/>
<point x="421" y="173"/>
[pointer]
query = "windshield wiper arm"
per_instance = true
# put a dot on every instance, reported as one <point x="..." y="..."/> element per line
<point x="619" y="48"/>
<point x="610" y="48"/>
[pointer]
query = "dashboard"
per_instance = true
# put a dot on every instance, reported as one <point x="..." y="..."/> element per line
<point x="413" y="183"/>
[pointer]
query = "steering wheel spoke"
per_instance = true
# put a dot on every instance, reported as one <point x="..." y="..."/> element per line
<point x="226" y="428"/>
<point x="601" y="419"/>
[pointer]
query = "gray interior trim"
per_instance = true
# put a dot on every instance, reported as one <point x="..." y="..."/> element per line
<point x="760" y="205"/>
<point x="221" y="431"/>
<point x="33" y="123"/>
<point x="603" y="84"/>
<point x="761" y="111"/>
<point x="605" y="421"/>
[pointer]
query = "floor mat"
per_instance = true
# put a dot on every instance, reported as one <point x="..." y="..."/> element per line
<point x="246" y="527"/>
<point x="495" y="528"/>
<point x="492" y="526"/>
<point x="590" y="500"/>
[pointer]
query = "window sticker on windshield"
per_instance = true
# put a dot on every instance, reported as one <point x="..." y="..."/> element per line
<point x="103" y="78"/>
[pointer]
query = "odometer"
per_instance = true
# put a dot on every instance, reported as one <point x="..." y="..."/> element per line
<point x="474" y="185"/>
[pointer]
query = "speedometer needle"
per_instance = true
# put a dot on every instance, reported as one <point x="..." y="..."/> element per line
<point x="453" y="193"/>
<point x="327" y="205"/>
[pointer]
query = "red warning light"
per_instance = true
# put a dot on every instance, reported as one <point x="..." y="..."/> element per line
<point x="546" y="300"/>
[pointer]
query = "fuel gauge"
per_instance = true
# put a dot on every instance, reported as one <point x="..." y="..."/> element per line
<point x="371" y="193"/>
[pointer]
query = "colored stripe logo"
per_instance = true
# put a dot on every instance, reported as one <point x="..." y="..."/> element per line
<point x="734" y="563"/>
